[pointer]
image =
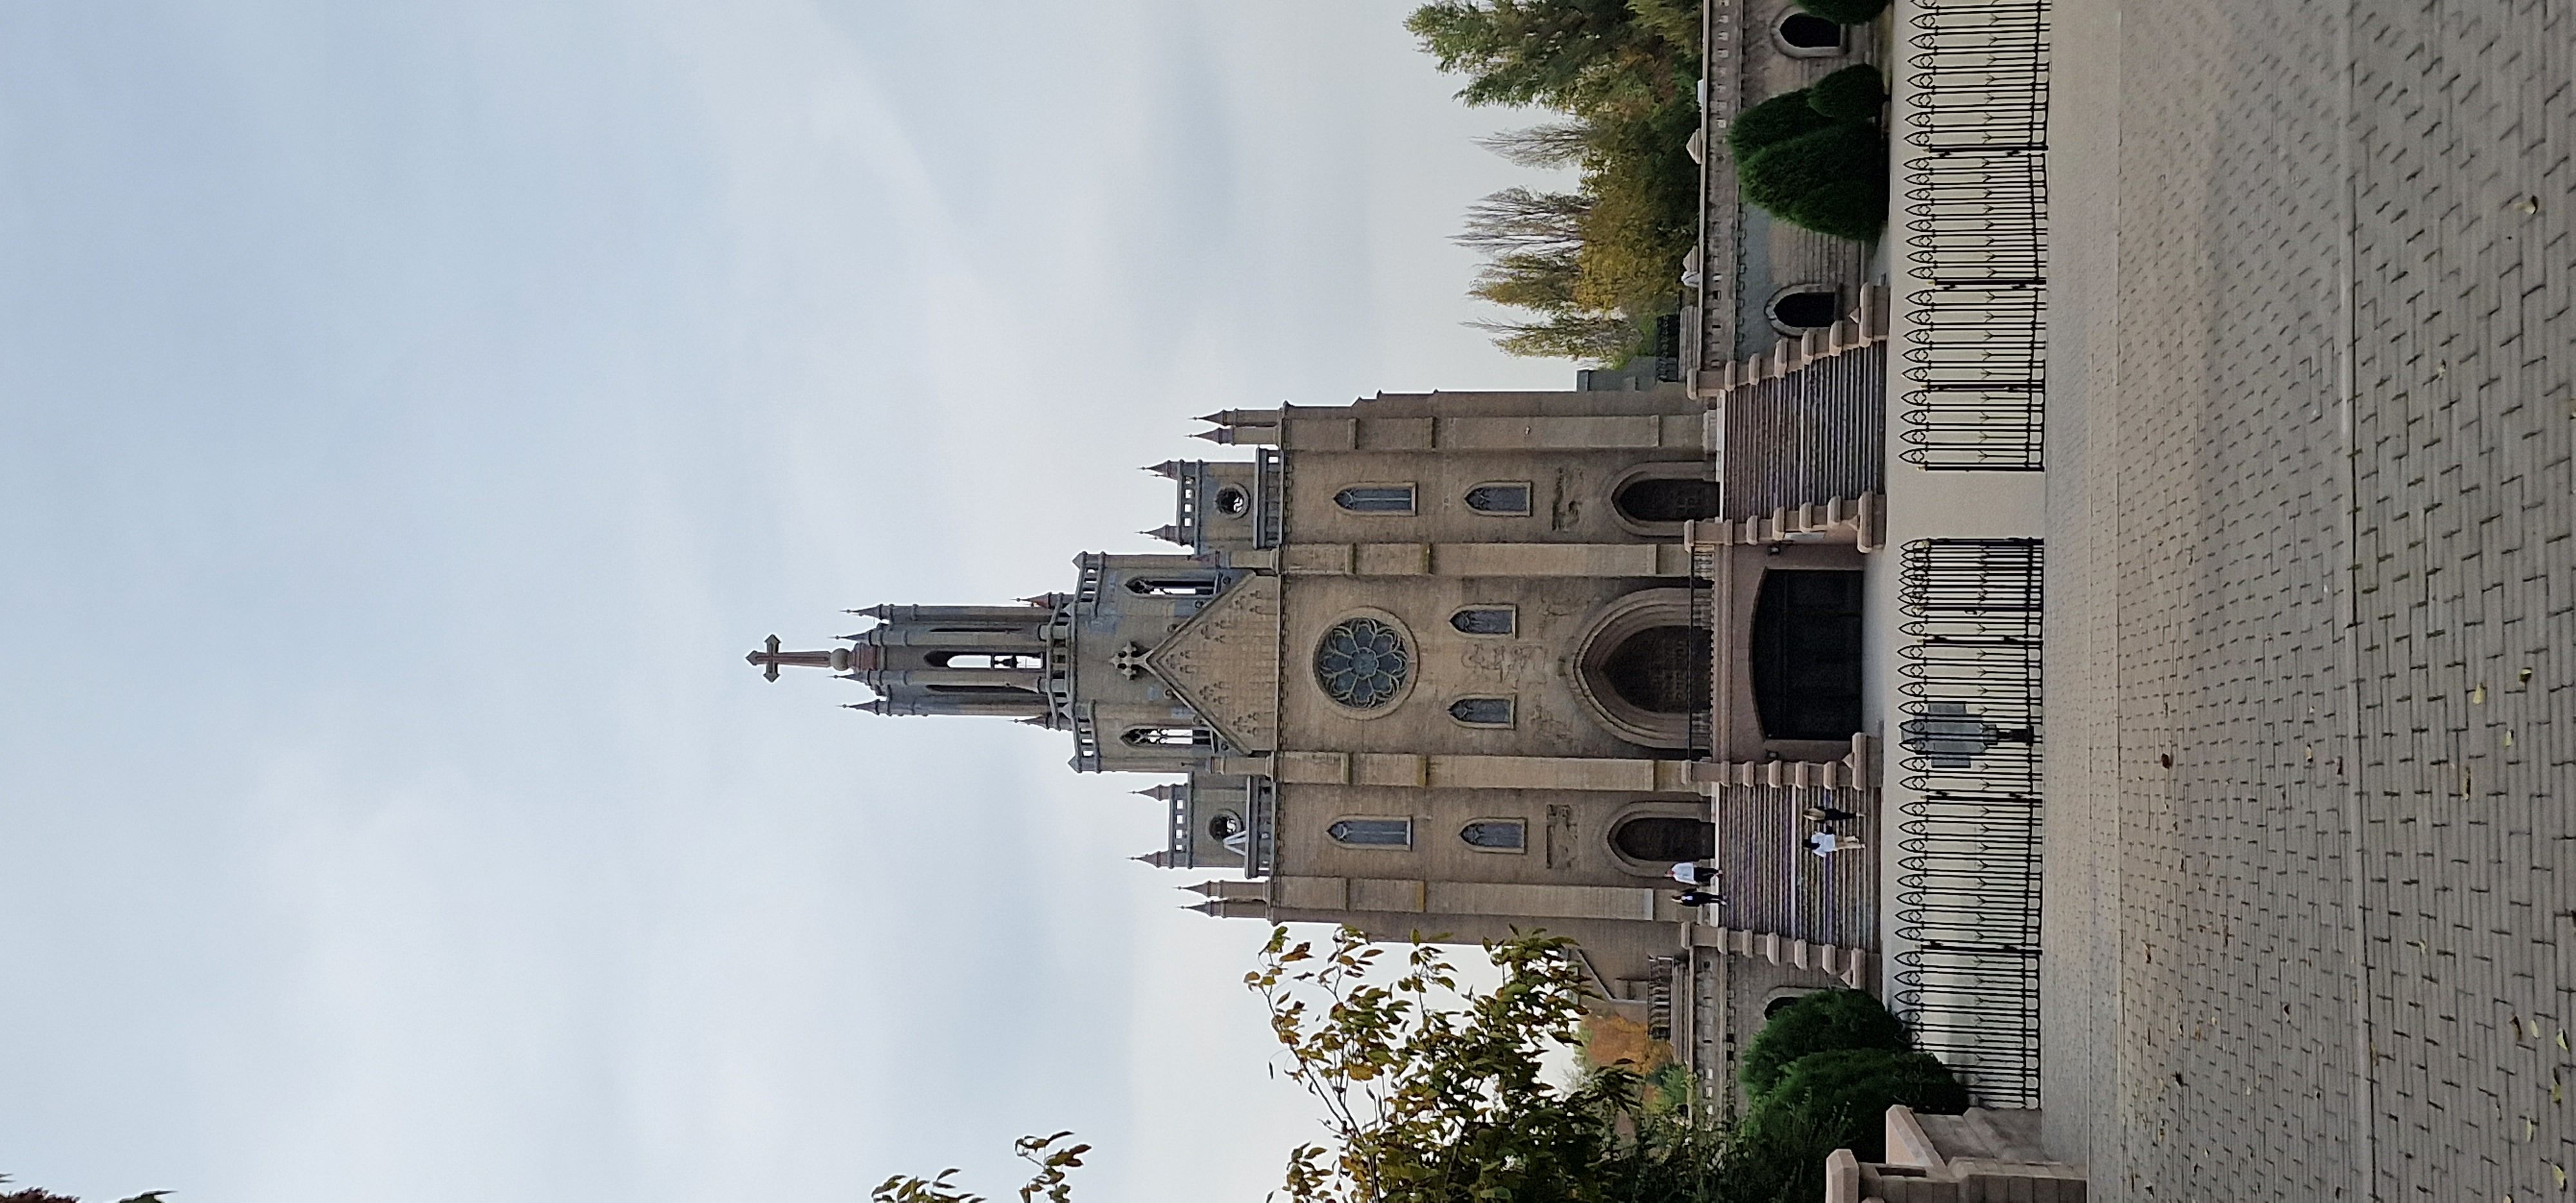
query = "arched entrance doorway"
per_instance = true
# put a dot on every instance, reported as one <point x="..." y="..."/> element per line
<point x="1806" y="654"/>
<point x="1661" y="670"/>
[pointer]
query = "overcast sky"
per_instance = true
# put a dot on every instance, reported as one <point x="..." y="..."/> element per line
<point x="411" y="410"/>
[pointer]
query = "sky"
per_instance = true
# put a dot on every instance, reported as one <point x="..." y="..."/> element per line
<point x="409" y="414"/>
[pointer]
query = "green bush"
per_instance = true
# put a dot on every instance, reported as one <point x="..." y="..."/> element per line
<point x="1851" y="94"/>
<point x="1776" y="177"/>
<point x="1853" y="209"/>
<point x="1772" y="122"/>
<point x="1825" y="1021"/>
<point x="1847" y="1093"/>
<point x="1847" y="12"/>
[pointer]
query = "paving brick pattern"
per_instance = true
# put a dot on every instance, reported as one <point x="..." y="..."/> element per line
<point x="2312" y="856"/>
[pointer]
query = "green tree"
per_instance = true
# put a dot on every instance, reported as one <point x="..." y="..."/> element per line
<point x="1581" y="56"/>
<point x="1824" y="1021"/>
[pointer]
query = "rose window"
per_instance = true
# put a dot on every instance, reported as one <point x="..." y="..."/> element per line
<point x="1362" y="663"/>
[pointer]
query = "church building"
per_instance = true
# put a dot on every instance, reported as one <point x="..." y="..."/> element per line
<point x="1459" y="663"/>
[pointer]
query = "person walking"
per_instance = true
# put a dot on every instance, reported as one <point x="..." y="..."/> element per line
<point x="1693" y="874"/>
<point x="1826" y="843"/>
<point x="1697" y="898"/>
<point x="1829" y="814"/>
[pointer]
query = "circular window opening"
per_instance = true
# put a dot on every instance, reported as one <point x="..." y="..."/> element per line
<point x="1807" y="31"/>
<point x="1661" y="670"/>
<point x="1665" y="839"/>
<point x="1224" y="824"/>
<point x="1812" y="309"/>
<point x="1362" y="663"/>
<point x="1232" y="502"/>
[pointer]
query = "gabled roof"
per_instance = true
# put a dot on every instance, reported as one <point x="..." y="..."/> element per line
<point x="1224" y="662"/>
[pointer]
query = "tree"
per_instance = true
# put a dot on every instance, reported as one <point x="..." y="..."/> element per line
<point x="1044" y="1152"/>
<point x="1824" y="1021"/>
<point x="1581" y="56"/>
<point x="1520" y="221"/>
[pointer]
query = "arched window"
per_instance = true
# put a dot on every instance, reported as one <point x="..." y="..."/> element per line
<point x="1482" y="712"/>
<point x="1172" y="586"/>
<point x="1170" y="737"/>
<point x="1372" y="833"/>
<point x="1661" y="670"/>
<point x="1667" y="499"/>
<point x="1782" y="1003"/>
<point x="1496" y="835"/>
<point x="1484" y="620"/>
<point x="1010" y="660"/>
<point x="1807" y="309"/>
<point x="1376" y="499"/>
<point x="1807" y="31"/>
<point x="1500" y="498"/>
<point x="1665" y="839"/>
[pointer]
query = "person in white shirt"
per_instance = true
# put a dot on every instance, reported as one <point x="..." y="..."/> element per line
<point x="1694" y="874"/>
<point x="1826" y="843"/>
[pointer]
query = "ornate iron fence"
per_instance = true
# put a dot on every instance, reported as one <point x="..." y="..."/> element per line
<point x="1975" y="212"/>
<point x="1966" y="969"/>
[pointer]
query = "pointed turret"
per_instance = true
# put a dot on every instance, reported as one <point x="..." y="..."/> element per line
<point x="1169" y="469"/>
<point x="1165" y="792"/>
<point x="1160" y="860"/>
<point x="1169" y="533"/>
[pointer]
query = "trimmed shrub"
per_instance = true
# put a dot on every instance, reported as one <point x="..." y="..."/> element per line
<point x="1853" y="209"/>
<point x="1825" y="1021"/>
<point x="1772" y="122"/>
<point x="1847" y="1092"/>
<point x="1778" y="176"/>
<point x="1851" y="94"/>
<point x="1846" y="12"/>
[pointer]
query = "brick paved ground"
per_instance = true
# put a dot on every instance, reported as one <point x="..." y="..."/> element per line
<point x="2311" y="925"/>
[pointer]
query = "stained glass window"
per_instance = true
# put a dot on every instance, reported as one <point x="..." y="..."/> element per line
<point x="1373" y="833"/>
<point x="1376" y="499"/>
<point x="1501" y="835"/>
<point x="1482" y="712"/>
<point x="1362" y="663"/>
<point x="1483" y="620"/>
<point x="1499" y="499"/>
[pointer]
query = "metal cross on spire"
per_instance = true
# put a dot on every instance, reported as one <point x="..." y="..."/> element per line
<point x="769" y="658"/>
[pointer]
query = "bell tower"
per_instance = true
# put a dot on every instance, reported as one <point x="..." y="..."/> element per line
<point x="993" y="660"/>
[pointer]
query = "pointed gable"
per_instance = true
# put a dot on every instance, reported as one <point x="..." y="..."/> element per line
<point x="1224" y="662"/>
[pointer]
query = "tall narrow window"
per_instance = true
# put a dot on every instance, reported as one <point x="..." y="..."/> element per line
<point x="1503" y="498"/>
<point x="1376" y="499"/>
<point x="1011" y="660"/>
<point x="1170" y="737"/>
<point x="1484" y="620"/>
<point x="1172" y="586"/>
<point x="1372" y="833"/>
<point x="1496" y="835"/>
<point x="1482" y="712"/>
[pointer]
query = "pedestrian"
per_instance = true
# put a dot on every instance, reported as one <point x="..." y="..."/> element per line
<point x="1693" y="874"/>
<point x="1826" y="843"/>
<point x="1828" y="814"/>
<point x="1698" y="898"/>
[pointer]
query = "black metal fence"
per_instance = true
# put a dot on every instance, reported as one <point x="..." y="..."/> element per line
<point x="1966" y="965"/>
<point x="1975" y="212"/>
